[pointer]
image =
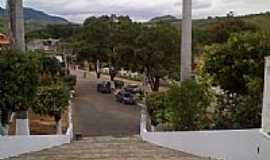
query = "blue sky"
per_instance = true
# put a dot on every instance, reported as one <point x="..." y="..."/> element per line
<point x="141" y="10"/>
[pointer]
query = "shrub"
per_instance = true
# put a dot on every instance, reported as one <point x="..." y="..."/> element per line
<point x="157" y="105"/>
<point x="234" y="111"/>
<point x="70" y="80"/>
<point x="238" y="112"/>
<point x="53" y="101"/>
<point x="188" y="104"/>
<point x="51" y="70"/>
<point x="183" y="107"/>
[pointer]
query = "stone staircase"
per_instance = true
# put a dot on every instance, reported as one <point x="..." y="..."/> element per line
<point x="108" y="148"/>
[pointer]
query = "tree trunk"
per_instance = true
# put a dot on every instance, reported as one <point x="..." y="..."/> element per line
<point x="186" y="47"/>
<point x="112" y="76"/>
<point x="58" y="122"/>
<point x="145" y="80"/>
<point x="22" y="123"/>
<point x="156" y="84"/>
<point x="98" y="70"/>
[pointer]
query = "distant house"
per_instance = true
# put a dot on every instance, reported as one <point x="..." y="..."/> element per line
<point x="49" y="46"/>
<point x="4" y="40"/>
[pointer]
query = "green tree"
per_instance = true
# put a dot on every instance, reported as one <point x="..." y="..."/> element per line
<point x="53" y="101"/>
<point x="19" y="81"/>
<point x="51" y="70"/>
<point x="93" y="42"/>
<point x="183" y="107"/>
<point x="188" y="104"/>
<point x="233" y="65"/>
<point x="104" y="38"/>
<point x="57" y="31"/>
<point x="157" y="51"/>
<point x="123" y="38"/>
<point x="237" y="67"/>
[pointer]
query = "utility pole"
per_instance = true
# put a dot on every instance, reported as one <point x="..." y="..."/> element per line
<point x="16" y="24"/>
<point x="186" y="46"/>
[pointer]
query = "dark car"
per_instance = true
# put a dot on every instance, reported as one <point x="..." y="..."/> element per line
<point x="125" y="97"/>
<point x="133" y="88"/>
<point x="104" y="87"/>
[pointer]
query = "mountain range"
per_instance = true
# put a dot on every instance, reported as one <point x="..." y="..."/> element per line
<point x="36" y="16"/>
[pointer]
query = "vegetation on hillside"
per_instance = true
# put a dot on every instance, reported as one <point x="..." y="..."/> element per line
<point x="34" y="20"/>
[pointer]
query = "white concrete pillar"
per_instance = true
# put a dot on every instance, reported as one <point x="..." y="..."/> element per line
<point x="98" y="66"/>
<point x="143" y="122"/>
<point x="59" y="127"/>
<point x="266" y="98"/>
<point x="22" y="123"/>
<point x="186" y="46"/>
<point x="112" y="85"/>
<point x="22" y="127"/>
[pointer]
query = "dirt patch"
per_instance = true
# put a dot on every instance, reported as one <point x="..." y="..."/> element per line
<point x="41" y="125"/>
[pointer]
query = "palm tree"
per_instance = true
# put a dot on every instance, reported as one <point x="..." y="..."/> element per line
<point x="186" y="47"/>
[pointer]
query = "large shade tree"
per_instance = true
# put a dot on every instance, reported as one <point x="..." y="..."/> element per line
<point x="157" y="49"/>
<point x="93" y="42"/>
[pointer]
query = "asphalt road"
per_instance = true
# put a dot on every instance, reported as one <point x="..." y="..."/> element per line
<point x="96" y="114"/>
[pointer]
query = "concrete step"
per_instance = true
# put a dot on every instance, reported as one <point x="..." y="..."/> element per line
<point x="108" y="148"/>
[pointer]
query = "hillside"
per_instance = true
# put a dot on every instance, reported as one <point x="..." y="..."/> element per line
<point x="167" y="18"/>
<point x="32" y="15"/>
<point x="34" y="20"/>
<point x="262" y="20"/>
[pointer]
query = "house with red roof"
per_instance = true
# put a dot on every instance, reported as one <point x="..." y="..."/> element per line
<point x="4" y="40"/>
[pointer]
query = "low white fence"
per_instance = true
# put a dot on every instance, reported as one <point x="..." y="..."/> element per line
<point x="221" y="145"/>
<point x="15" y="145"/>
<point x="11" y="146"/>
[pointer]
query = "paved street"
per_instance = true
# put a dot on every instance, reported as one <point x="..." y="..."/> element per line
<point x="100" y="117"/>
<point x="98" y="114"/>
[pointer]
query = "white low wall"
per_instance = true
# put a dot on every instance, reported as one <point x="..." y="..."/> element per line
<point x="15" y="145"/>
<point x="223" y="145"/>
<point x="11" y="146"/>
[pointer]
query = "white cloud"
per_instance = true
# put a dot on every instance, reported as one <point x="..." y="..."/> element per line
<point x="78" y="10"/>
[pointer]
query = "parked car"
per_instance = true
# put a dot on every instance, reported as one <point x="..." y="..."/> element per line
<point x="104" y="87"/>
<point x="134" y="89"/>
<point x="125" y="97"/>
